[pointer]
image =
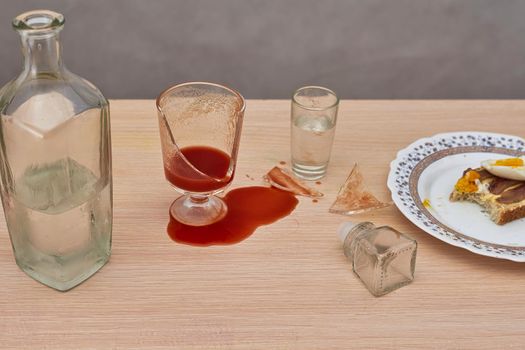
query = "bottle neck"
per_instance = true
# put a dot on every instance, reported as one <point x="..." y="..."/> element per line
<point x="353" y="237"/>
<point x="42" y="53"/>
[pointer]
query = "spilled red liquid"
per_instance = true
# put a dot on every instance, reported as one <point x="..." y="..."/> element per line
<point x="211" y="162"/>
<point x="248" y="208"/>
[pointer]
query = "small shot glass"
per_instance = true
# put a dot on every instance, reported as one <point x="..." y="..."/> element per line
<point x="314" y="115"/>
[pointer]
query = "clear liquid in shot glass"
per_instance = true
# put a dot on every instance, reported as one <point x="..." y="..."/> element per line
<point x="312" y="138"/>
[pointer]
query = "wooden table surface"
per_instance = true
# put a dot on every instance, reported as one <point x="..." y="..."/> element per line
<point x="288" y="286"/>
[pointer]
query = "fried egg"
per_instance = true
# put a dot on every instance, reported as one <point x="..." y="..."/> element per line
<point x="508" y="168"/>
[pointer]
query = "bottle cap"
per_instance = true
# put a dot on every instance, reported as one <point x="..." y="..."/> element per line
<point x="344" y="229"/>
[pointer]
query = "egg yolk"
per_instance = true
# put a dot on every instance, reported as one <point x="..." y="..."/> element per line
<point x="467" y="183"/>
<point x="512" y="162"/>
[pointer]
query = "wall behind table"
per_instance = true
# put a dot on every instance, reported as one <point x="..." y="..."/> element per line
<point x="267" y="48"/>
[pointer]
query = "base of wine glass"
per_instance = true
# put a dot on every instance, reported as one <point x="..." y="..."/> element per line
<point x="198" y="210"/>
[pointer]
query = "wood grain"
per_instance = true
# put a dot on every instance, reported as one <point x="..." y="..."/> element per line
<point x="288" y="286"/>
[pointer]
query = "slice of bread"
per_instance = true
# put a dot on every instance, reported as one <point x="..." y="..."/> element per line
<point x="503" y="199"/>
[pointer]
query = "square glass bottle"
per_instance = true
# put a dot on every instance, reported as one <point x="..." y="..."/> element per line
<point x="384" y="259"/>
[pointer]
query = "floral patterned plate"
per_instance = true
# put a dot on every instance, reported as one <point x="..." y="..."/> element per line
<point x="423" y="176"/>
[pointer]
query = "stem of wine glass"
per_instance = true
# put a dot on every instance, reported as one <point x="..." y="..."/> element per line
<point x="196" y="199"/>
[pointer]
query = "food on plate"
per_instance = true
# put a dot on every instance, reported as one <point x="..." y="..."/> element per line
<point x="502" y="197"/>
<point x="509" y="168"/>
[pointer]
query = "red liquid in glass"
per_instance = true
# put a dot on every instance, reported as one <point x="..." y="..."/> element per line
<point x="211" y="162"/>
<point x="248" y="208"/>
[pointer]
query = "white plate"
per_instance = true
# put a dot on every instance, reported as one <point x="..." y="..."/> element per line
<point x="429" y="168"/>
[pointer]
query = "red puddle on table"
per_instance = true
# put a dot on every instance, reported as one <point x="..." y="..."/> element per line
<point x="248" y="208"/>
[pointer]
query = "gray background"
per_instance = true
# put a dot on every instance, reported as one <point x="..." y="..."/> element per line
<point x="267" y="48"/>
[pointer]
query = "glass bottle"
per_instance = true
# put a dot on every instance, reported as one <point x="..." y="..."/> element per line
<point x="383" y="258"/>
<point x="55" y="161"/>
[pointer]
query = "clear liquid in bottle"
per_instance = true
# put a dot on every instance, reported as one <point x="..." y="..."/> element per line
<point x="55" y="162"/>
